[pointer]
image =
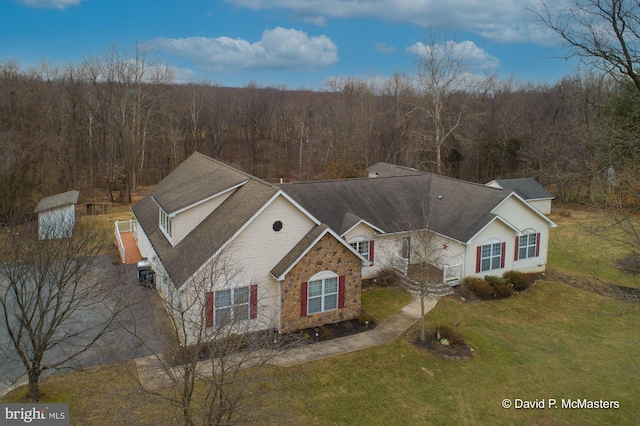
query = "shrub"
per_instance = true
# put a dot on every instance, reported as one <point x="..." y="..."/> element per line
<point x="385" y="278"/>
<point x="493" y="280"/>
<point x="518" y="280"/>
<point x="479" y="287"/>
<point x="502" y="290"/>
<point x="446" y="332"/>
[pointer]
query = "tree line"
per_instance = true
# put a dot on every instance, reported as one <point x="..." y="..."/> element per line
<point x="118" y="121"/>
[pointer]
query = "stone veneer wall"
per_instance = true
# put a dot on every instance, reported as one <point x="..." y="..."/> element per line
<point x="327" y="255"/>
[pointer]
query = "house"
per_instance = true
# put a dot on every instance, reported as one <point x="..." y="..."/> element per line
<point x="244" y="250"/>
<point x="57" y="215"/>
<point x="529" y="189"/>
<point x="292" y="256"/>
<point x="471" y="229"/>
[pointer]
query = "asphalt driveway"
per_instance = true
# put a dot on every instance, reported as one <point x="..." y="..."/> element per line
<point x="142" y="327"/>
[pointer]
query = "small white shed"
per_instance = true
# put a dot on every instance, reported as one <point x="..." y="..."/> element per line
<point x="57" y="215"/>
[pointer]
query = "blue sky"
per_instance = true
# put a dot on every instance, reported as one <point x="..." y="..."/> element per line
<point x="295" y="43"/>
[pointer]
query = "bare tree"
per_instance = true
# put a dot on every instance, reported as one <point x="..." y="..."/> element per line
<point x="442" y="77"/>
<point x="604" y="34"/>
<point x="54" y="303"/>
<point x="421" y="263"/>
<point x="215" y="374"/>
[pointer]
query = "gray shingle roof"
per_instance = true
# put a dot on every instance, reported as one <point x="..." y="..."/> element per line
<point x="210" y="176"/>
<point x="197" y="178"/>
<point x="527" y="188"/>
<point x="451" y="207"/>
<point x="58" y="200"/>
<point x="385" y="170"/>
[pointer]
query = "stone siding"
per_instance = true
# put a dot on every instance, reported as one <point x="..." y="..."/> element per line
<point x="327" y="255"/>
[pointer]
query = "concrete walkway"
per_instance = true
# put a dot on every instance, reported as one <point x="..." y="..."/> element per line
<point x="153" y="377"/>
<point x="386" y="332"/>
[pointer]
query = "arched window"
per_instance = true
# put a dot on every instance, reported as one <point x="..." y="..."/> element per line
<point x="325" y="291"/>
<point x="528" y="244"/>
<point x="322" y="293"/>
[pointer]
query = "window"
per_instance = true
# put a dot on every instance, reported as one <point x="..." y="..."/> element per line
<point x="362" y="247"/>
<point x="528" y="245"/>
<point x="490" y="256"/>
<point x="406" y="248"/>
<point x="322" y="295"/>
<point x="165" y="222"/>
<point x="231" y="305"/>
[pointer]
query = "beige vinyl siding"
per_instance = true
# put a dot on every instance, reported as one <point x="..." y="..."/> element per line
<point x="543" y="205"/>
<point x="188" y="220"/>
<point x="253" y="253"/>
<point x="514" y="211"/>
<point x="499" y="231"/>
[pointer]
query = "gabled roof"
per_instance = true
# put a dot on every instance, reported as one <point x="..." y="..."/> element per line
<point x="527" y="188"/>
<point x="302" y="248"/>
<point x="58" y="200"/>
<point x="450" y="207"/>
<point x="385" y="170"/>
<point x="197" y="178"/>
<point x="209" y="176"/>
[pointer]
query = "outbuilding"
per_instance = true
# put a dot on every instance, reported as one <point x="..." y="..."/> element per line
<point x="57" y="215"/>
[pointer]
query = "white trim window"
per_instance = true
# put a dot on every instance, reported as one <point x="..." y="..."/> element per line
<point x="166" y="222"/>
<point x="528" y="244"/>
<point x="322" y="293"/>
<point x="362" y="247"/>
<point x="231" y="305"/>
<point x="491" y="256"/>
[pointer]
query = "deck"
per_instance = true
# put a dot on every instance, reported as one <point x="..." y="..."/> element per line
<point x="132" y="253"/>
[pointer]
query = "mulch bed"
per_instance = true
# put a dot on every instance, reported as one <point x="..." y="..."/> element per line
<point x="460" y="351"/>
<point x="334" y="331"/>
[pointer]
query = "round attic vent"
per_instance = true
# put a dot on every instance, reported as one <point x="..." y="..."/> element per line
<point x="277" y="226"/>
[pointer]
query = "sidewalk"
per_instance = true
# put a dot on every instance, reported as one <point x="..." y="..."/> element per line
<point x="386" y="332"/>
<point x="153" y="376"/>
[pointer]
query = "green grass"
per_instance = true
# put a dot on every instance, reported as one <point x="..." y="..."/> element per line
<point x="576" y="250"/>
<point x="551" y="342"/>
<point x="384" y="302"/>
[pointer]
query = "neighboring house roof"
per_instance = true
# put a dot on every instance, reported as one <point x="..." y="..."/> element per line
<point x="450" y="207"/>
<point x="527" y="188"/>
<point x="179" y="190"/>
<point x="58" y="200"/>
<point x="385" y="170"/>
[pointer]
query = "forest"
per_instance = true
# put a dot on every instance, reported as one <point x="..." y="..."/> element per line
<point x="119" y="121"/>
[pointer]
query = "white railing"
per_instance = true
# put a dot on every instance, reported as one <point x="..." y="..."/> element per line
<point x="451" y="274"/>
<point x="124" y="226"/>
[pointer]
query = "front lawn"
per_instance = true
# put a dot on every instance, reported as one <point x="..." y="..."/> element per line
<point x="553" y="341"/>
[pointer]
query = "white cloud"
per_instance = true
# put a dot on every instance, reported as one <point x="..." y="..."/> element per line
<point x="50" y="4"/>
<point x="384" y="48"/>
<point x="471" y="56"/>
<point x="496" y="20"/>
<point x="279" y="48"/>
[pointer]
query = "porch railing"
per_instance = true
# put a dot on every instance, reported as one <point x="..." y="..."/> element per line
<point x="451" y="274"/>
<point x="121" y="227"/>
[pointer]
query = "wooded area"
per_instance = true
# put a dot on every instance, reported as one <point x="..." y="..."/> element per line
<point x="114" y="122"/>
